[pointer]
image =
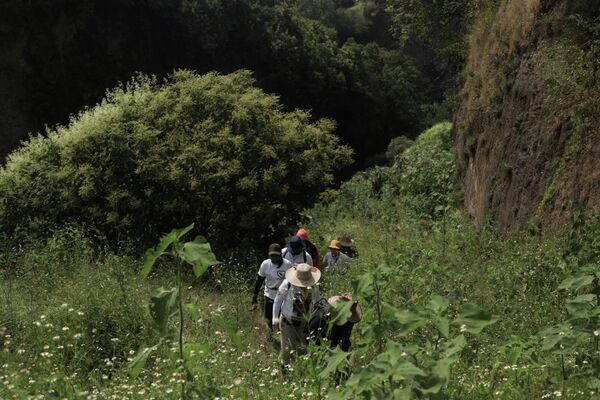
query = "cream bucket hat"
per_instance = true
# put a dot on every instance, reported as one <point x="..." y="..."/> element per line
<point x="303" y="275"/>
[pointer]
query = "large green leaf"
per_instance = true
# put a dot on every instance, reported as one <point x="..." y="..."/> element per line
<point x="438" y="377"/>
<point x="337" y="358"/>
<point x="363" y="285"/>
<point x="403" y="321"/>
<point x="576" y="282"/>
<point x="162" y="306"/>
<point x="384" y="361"/>
<point x="455" y="346"/>
<point x="152" y="254"/>
<point x="554" y="335"/>
<point x="402" y="394"/>
<point x="405" y="369"/>
<point x="518" y="350"/>
<point x="443" y="326"/>
<point x="581" y="305"/>
<point x="139" y="361"/>
<point x="438" y="304"/>
<point x="341" y="312"/>
<point x="365" y="380"/>
<point x="198" y="254"/>
<point x="473" y="319"/>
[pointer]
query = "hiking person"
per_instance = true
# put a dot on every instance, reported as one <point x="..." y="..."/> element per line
<point x="338" y="335"/>
<point x="348" y="246"/>
<point x="295" y="252"/>
<point x="294" y="304"/>
<point x="310" y="247"/>
<point x="272" y="273"/>
<point x="334" y="260"/>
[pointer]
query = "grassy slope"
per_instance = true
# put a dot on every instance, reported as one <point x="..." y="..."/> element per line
<point x="72" y="316"/>
<point x="514" y="277"/>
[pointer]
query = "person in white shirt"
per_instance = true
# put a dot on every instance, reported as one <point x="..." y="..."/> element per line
<point x="335" y="260"/>
<point x="295" y="252"/>
<point x="272" y="273"/>
<point x="293" y="308"/>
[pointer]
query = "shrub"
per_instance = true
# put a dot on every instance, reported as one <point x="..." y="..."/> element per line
<point x="396" y="147"/>
<point x="212" y="149"/>
<point x="427" y="170"/>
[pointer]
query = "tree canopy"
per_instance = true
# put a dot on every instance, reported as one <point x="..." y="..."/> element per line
<point x="211" y="149"/>
<point x="336" y="58"/>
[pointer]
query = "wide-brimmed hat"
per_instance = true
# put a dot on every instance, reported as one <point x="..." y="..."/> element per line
<point x="303" y="275"/>
<point x="274" y="249"/>
<point x="356" y="308"/>
<point x="346" y="241"/>
<point x="335" y="244"/>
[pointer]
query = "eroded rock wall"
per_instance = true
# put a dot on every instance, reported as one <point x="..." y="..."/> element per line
<point x="528" y="128"/>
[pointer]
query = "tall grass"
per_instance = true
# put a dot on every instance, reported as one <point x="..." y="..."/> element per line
<point x="72" y="316"/>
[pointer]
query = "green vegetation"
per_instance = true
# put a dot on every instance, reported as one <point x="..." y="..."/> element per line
<point x="450" y="309"/>
<point x="427" y="170"/>
<point x="543" y="343"/>
<point x="166" y="303"/>
<point x="212" y="149"/>
<point x="334" y="57"/>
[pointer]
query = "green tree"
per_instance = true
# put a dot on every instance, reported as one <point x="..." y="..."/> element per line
<point x="212" y="149"/>
<point x="436" y="34"/>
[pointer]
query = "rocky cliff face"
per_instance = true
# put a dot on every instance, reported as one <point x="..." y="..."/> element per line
<point x="528" y="128"/>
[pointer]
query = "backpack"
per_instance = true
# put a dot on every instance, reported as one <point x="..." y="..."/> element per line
<point x="303" y="254"/>
<point x="301" y="306"/>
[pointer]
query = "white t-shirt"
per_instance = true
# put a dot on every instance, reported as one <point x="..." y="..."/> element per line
<point x="289" y="294"/>
<point x="274" y="274"/>
<point x="298" y="258"/>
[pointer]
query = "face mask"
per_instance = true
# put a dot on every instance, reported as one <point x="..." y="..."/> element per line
<point x="275" y="259"/>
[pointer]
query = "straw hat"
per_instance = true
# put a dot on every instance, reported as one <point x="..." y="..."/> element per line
<point x="356" y="309"/>
<point x="335" y="244"/>
<point x="303" y="275"/>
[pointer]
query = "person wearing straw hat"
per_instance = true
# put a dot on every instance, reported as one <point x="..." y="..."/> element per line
<point x="272" y="273"/>
<point x="294" y="304"/>
<point x="348" y="246"/>
<point x="340" y="334"/>
<point x="334" y="259"/>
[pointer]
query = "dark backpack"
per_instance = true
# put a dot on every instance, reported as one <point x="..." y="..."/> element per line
<point x="303" y="254"/>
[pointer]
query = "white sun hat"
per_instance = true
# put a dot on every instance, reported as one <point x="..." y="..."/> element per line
<point x="303" y="275"/>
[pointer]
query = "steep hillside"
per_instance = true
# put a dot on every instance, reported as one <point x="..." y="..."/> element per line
<point x="528" y="127"/>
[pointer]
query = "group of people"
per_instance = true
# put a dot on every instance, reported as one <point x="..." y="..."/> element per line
<point x="292" y="302"/>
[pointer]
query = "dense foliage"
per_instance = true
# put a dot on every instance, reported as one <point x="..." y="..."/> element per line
<point x="451" y="309"/>
<point x="427" y="170"/>
<point x="544" y="292"/>
<point x="213" y="149"/>
<point x="421" y="176"/>
<point x="335" y="57"/>
<point x="424" y="275"/>
<point x="436" y="34"/>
